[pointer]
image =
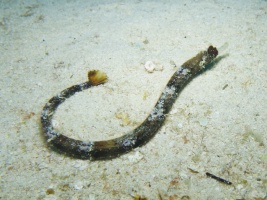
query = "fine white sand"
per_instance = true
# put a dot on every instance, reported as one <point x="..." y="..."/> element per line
<point x="218" y="124"/>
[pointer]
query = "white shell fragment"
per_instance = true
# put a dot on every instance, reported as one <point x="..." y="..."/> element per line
<point x="150" y="66"/>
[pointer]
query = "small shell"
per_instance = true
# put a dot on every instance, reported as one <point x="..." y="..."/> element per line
<point x="150" y="66"/>
<point x="97" y="77"/>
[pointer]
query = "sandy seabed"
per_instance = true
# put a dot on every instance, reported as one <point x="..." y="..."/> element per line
<point x="217" y="125"/>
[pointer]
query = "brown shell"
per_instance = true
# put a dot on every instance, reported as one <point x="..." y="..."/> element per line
<point x="97" y="77"/>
